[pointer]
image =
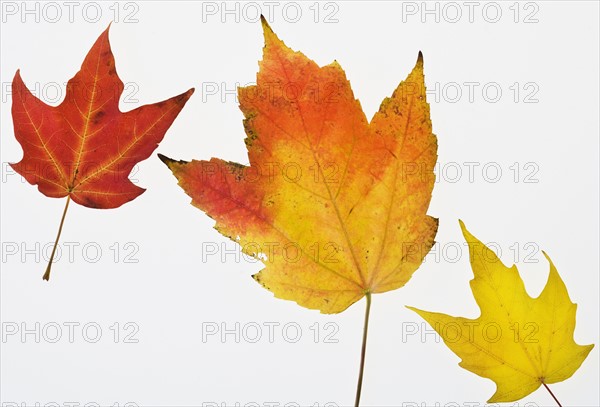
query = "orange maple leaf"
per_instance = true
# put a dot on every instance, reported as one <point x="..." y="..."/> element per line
<point x="85" y="148"/>
<point x="334" y="206"/>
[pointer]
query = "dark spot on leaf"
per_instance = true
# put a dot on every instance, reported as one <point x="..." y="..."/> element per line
<point x="98" y="116"/>
<point x="237" y="170"/>
<point x="90" y="203"/>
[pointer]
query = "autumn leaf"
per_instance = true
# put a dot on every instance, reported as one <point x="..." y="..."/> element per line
<point x="334" y="206"/>
<point x="85" y="148"/>
<point x="518" y="341"/>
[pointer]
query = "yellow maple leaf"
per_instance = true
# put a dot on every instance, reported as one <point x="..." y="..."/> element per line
<point x="334" y="206"/>
<point x="518" y="341"/>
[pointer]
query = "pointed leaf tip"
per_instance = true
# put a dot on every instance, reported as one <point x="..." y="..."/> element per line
<point x="106" y="31"/>
<point x="420" y="58"/>
<point x="184" y="97"/>
<point x="168" y="161"/>
<point x="164" y="158"/>
<point x="546" y="256"/>
<point x="268" y="32"/>
<point x="16" y="79"/>
<point x="265" y="25"/>
<point x="469" y="237"/>
<point x="463" y="227"/>
<point x="171" y="163"/>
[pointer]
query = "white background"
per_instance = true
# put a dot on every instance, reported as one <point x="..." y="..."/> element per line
<point x="171" y="292"/>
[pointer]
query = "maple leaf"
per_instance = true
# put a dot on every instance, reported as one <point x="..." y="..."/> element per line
<point x="334" y="207"/>
<point x="518" y="341"/>
<point x="85" y="148"/>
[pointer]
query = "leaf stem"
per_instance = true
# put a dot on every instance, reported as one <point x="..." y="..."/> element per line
<point x="363" y="350"/>
<point x="552" y="394"/>
<point x="62" y="221"/>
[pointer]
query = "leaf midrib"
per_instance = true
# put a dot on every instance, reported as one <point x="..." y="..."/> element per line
<point x="87" y="119"/>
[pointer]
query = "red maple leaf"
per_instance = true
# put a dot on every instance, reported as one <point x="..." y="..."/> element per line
<point x="86" y="147"/>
